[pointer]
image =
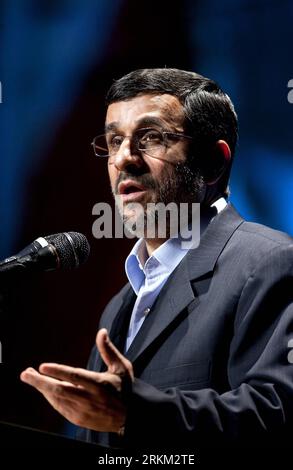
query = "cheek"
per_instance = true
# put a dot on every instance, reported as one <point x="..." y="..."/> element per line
<point x="113" y="175"/>
<point x="157" y="169"/>
<point x="165" y="173"/>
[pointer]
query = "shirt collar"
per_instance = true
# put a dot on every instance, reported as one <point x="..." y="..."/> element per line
<point x="169" y="254"/>
<point x="220" y="204"/>
<point x="134" y="265"/>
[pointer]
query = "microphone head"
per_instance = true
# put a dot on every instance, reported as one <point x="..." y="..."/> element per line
<point x="72" y="248"/>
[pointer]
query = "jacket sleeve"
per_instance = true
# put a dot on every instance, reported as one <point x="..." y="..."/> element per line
<point x="259" y="405"/>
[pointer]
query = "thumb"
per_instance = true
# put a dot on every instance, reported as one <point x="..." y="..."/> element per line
<point x="114" y="360"/>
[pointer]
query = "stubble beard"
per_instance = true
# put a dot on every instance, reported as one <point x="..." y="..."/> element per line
<point x="180" y="184"/>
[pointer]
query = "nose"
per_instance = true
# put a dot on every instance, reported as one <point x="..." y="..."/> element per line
<point x="128" y="157"/>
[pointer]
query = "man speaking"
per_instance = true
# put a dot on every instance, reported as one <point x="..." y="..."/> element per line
<point x="193" y="351"/>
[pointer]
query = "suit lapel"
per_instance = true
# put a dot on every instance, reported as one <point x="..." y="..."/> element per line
<point x="203" y="259"/>
<point x="118" y="320"/>
<point x="121" y="323"/>
<point x="178" y="293"/>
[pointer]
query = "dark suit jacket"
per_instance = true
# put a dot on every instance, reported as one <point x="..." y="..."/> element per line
<point x="210" y="360"/>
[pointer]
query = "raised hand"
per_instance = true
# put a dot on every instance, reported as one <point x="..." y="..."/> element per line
<point x="89" y="399"/>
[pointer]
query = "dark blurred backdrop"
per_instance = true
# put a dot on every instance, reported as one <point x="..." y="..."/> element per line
<point x="57" y="59"/>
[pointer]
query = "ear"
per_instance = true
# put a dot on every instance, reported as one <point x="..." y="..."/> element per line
<point x="219" y="159"/>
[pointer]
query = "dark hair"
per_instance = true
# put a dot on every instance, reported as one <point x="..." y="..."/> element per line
<point x="209" y="112"/>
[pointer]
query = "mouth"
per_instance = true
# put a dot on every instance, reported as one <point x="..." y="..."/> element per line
<point x="131" y="190"/>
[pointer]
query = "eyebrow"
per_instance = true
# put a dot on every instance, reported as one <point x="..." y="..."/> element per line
<point x="112" y="126"/>
<point x="144" y="121"/>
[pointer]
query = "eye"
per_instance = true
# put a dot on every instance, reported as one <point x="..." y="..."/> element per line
<point x="114" y="141"/>
<point x="151" y="138"/>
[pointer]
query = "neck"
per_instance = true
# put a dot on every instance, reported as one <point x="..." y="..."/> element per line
<point x="153" y="243"/>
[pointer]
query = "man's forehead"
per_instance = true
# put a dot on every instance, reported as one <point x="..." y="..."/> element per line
<point x="134" y="109"/>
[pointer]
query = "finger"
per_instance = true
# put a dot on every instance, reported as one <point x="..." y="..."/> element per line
<point x="32" y="377"/>
<point x="81" y="377"/>
<point x="64" y="397"/>
<point x="115" y="361"/>
<point x="50" y="387"/>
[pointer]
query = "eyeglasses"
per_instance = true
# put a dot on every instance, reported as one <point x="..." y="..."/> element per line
<point x="149" y="141"/>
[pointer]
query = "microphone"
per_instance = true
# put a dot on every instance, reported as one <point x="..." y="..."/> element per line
<point x="59" y="251"/>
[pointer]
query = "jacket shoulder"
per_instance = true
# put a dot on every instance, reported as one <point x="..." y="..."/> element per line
<point x="251" y="244"/>
<point x="263" y="235"/>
